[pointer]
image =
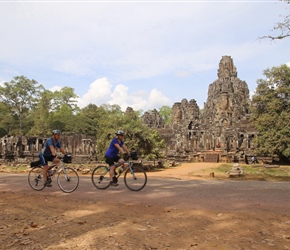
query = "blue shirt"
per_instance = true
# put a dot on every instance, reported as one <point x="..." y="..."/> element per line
<point x="46" y="150"/>
<point x="112" y="151"/>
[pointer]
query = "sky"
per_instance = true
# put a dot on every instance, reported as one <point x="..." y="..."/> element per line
<point x="141" y="54"/>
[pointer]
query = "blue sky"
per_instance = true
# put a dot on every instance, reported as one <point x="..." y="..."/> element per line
<point x="142" y="54"/>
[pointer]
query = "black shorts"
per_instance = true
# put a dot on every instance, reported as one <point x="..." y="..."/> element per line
<point x="45" y="159"/>
<point x="111" y="161"/>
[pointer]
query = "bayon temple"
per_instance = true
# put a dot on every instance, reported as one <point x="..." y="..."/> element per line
<point x="220" y="132"/>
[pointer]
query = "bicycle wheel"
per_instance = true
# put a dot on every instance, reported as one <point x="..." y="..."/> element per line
<point x="101" y="177"/>
<point x="136" y="178"/>
<point x="35" y="178"/>
<point x="68" y="180"/>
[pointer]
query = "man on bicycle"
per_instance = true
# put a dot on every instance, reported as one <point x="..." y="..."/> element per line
<point x="117" y="145"/>
<point x="48" y="153"/>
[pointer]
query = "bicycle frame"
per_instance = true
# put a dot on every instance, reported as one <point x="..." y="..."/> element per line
<point x="57" y="167"/>
<point x="129" y="165"/>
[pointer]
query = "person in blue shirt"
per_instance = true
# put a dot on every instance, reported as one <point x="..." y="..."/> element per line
<point x="112" y="154"/>
<point x="48" y="153"/>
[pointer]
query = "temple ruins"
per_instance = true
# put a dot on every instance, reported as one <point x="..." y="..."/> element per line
<point x="221" y="131"/>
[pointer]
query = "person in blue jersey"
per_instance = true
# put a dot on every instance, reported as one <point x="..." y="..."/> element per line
<point x="48" y="153"/>
<point x="112" y="154"/>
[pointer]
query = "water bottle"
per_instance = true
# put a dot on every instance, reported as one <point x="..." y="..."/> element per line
<point x="124" y="166"/>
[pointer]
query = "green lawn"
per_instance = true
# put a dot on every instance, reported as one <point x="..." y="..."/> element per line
<point x="258" y="172"/>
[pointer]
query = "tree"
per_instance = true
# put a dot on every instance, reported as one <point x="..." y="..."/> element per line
<point x="283" y="27"/>
<point x="20" y="95"/>
<point x="138" y="136"/>
<point x="41" y="115"/>
<point x="7" y="121"/>
<point x="67" y="97"/>
<point x="165" y="113"/>
<point x="271" y="112"/>
<point x="88" y="120"/>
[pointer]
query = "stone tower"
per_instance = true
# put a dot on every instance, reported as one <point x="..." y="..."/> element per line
<point x="223" y="126"/>
<point x="226" y="114"/>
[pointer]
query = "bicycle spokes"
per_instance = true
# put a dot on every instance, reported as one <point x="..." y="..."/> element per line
<point x="135" y="179"/>
<point x="101" y="177"/>
<point x="68" y="180"/>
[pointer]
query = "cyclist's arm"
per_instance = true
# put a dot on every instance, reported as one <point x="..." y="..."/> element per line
<point x="52" y="150"/>
<point x="62" y="150"/>
<point x="119" y="148"/>
<point x="126" y="149"/>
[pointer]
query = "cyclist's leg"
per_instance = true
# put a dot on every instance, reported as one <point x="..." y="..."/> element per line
<point x="111" y="162"/>
<point x="44" y="165"/>
<point x="44" y="162"/>
<point x="56" y="160"/>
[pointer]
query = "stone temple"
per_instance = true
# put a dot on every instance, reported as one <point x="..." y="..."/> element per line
<point x="221" y="131"/>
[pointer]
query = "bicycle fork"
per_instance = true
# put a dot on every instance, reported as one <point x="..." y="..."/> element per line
<point x="66" y="177"/>
<point x="132" y="173"/>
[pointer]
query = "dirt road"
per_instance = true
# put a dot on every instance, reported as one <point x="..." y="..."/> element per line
<point x="174" y="211"/>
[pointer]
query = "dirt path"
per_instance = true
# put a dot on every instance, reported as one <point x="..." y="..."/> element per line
<point x="33" y="220"/>
<point x="184" y="170"/>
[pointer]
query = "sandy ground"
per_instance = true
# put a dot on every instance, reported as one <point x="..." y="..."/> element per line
<point x="33" y="221"/>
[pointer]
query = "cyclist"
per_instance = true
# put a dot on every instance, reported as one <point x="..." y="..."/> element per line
<point x="117" y="145"/>
<point x="48" y="153"/>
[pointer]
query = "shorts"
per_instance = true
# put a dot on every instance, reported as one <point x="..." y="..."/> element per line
<point x="111" y="161"/>
<point x="44" y="159"/>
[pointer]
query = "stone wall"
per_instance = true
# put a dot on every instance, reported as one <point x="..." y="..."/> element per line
<point x="12" y="148"/>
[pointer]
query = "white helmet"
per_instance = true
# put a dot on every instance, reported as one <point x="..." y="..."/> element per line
<point x="120" y="132"/>
<point x="56" y="132"/>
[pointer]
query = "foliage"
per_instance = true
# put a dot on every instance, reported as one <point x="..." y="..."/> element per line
<point x="87" y="120"/>
<point x="7" y="120"/>
<point x="165" y="113"/>
<point x="41" y="115"/>
<point x="137" y="136"/>
<point x="65" y="97"/>
<point x="283" y="27"/>
<point x="271" y="112"/>
<point x="20" y="96"/>
<point x="38" y="111"/>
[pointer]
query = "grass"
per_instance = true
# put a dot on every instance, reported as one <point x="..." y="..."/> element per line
<point x="18" y="168"/>
<point x="251" y="172"/>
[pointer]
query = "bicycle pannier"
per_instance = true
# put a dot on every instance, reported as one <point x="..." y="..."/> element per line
<point x="35" y="163"/>
<point x="134" y="155"/>
<point x="67" y="158"/>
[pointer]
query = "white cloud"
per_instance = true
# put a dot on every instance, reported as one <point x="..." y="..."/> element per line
<point x="101" y="92"/>
<point x="56" y="88"/>
<point x="98" y="93"/>
<point x="156" y="99"/>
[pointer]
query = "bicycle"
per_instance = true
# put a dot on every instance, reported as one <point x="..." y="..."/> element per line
<point x="135" y="177"/>
<point x="67" y="177"/>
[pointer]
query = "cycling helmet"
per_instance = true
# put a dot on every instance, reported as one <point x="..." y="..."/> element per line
<point x="120" y="132"/>
<point x="56" y="132"/>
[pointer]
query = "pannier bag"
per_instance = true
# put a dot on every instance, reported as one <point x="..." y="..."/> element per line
<point x="134" y="155"/>
<point x="35" y="163"/>
<point x="67" y="158"/>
